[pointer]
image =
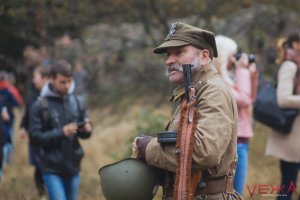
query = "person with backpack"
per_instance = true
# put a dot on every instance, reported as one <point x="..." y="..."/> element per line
<point x="57" y="122"/>
<point x="40" y="78"/>
<point x="286" y="147"/>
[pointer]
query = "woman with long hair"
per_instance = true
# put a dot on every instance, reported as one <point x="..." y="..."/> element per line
<point x="240" y="82"/>
<point x="286" y="147"/>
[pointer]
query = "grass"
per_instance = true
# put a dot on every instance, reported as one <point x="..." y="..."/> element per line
<point x="110" y="142"/>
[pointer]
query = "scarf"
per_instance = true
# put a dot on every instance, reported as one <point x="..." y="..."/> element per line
<point x="294" y="56"/>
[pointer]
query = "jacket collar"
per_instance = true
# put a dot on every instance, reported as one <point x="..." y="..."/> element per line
<point x="204" y="73"/>
<point x="48" y="92"/>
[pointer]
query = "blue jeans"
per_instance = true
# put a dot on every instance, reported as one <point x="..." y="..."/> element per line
<point x="61" y="188"/>
<point x="8" y="147"/>
<point x="241" y="168"/>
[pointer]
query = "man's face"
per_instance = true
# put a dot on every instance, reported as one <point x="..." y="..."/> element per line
<point x="176" y="57"/>
<point x="61" y="84"/>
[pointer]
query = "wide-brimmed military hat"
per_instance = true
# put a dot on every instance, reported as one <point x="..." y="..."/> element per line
<point x="181" y="34"/>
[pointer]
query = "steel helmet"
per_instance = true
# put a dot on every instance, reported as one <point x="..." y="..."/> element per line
<point x="128" y="179"/>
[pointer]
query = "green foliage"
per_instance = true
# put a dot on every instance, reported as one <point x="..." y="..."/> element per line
<point x="120" y="34"/>
<point x="148" y="124"/>
<point x="40" y="21"/>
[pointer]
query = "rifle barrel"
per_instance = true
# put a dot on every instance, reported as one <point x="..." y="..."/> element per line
<point x="187" y="79"/>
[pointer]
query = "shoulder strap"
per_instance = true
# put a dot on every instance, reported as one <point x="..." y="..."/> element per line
<point x="80" y="107"/>
<point x="297" y="82"/>
<point x="45" y="109"/>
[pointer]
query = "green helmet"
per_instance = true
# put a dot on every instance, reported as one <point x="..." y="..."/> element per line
<point x="128" y="179"/>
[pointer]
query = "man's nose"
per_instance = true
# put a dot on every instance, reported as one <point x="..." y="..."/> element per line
<point x="170" y="60"/>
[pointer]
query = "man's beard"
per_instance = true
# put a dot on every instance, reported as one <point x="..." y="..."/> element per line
<point x="196" y="66"/>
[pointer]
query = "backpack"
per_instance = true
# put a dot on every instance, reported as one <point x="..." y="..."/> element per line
<point x="45" y="109"/>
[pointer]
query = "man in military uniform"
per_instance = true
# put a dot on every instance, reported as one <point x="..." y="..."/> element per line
<point x="215" y="134"/>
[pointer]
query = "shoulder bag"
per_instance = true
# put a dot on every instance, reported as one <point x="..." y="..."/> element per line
<point x="267" y="111"/>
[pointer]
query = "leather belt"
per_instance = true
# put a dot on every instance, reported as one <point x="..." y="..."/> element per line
<point x="216" y="185"/>
<point x="209" y="187"/>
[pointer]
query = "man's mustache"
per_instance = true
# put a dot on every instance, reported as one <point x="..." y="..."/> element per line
<point x="176" y="67"/>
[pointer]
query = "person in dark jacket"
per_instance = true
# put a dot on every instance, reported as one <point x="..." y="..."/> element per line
<point x="1" y="145"/>
<point x="9" y="99"/>
<point x="40" y="78"/>
<point x="56" y="133"/>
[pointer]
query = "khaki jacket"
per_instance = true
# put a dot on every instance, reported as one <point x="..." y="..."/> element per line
<point x="216" y="132"/>
<point x="286" y="147"/>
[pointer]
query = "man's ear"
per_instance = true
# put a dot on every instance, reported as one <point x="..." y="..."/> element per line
<point x="205" y="58"/>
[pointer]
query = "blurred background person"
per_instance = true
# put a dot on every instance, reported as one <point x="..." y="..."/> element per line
<point x="67" y="48"/>
<point x="1" y="145"/>
<point x="286" y="147"/>
<point x="80" y="79"/>
<point x="10" y="98"/>
<point x="40" y="77"/>
<point x="57" y="136"/>
<point x="240" y="81"/>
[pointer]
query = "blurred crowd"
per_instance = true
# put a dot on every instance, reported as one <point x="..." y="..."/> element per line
<point x="239" y="69"/>
<point x="62" y="74"/>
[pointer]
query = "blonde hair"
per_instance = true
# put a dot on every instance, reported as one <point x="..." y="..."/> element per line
<point x="281" y="50"/>
<point x="286" y="43"/>
<point x="226" y="47"/>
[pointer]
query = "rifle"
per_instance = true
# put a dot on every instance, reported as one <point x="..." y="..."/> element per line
<point x="186" y="181"/>
<point x="187" y="72"/>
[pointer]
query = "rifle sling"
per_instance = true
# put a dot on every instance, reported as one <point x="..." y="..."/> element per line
<point x="185" y="182"/>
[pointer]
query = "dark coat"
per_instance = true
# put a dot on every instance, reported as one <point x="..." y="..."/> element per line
<point x="32" y="96"/>
<point x="9" y="98"/>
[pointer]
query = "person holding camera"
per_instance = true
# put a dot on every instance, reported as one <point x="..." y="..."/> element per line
<point x="243" y="82"/>
<point x="55" y="128"/>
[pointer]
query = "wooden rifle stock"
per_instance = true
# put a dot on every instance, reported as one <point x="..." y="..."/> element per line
<point x="186" y="180"/>
<point x="195" y="180"/>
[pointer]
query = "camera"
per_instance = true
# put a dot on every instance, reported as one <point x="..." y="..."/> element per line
<point x="80" y="124"/>
<point x="251" y="57"/>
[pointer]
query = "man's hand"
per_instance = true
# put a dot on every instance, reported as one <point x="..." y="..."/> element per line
<point x="23" y="133"/>
<point x="5" y="115"/>
<point x="87" y="127"/>
<point x="139" y="147"/>
<point x="70" y="129"/>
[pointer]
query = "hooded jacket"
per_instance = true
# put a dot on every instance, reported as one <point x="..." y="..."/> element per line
<point x="56" y="152"/>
